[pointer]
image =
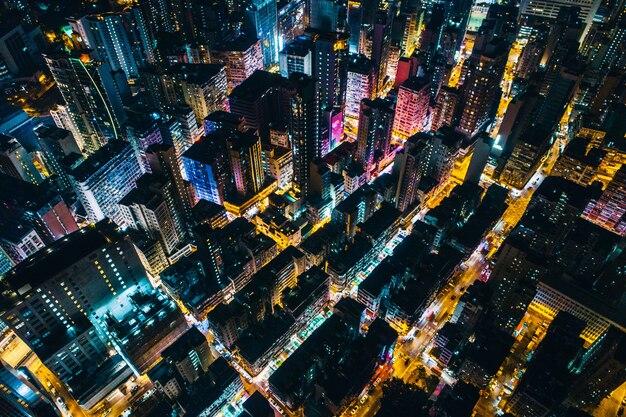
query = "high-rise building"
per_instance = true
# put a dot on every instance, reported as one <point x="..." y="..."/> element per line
<point x="246" y="163"/>
<point x="56" y="145"/>
<point x="63" y="119"/>
<point x="480" y="156"/>
<point x="19" y="241"/>
<point x="381" y="42"/>
<point x="329" y="68"/>
<point x="264" y="17"/>
<point x="609" y="211"/>
<point x="547" y="380"/>
<point x="92" y="95"/>
<point x="411" y="20"/>
<point x="429" y="156"/>
<point x="206" y="168"/>
<point x="104" y="178"/>
<point x="407" y="68"/>
<point x="142" y="131"/>
<point x="304" y="128"/>
<point x="562" y="45"/>
<point x="158" y="16"/>
<point x="550" y="9"/>
<point x="531" y="56"/>
<point x="278" y="164"/>
<point x="361" y="84"/>
<point x="514" y="278"/>
<point x="107" y="34"/>
<point x="296" y="57"/>
<point x="600" y="370"/>
<point x="324" y="15"/>
<point x="411" y="107"/>
<point x="163" y="161"/>
<point x="430" y="39"/>
<point x="16" y="162"/>
<point x="19" y="49"/>
<point x="355" y="20"/>
<point x="68" y="318"/>
<point x="190" y="355"/>
<point x="446" y="108"/>
<point x="203" y="87"/>
<point x="261" y="101"/>
<point x="241" y="58"/>
<point x="408" y="166"/>
<point x="481" y="88"/>
<point x="142" y="40"/>
<point x="191" y="130"/>
<point x="151" y="208"/>
<point x="374" y="135"/>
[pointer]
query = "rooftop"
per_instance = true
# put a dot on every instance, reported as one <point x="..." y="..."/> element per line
<point x="256" y="85"/>
<point x="380" y="221"/>
<point x="62" y="254"/>
<point x="196" y="73"/>
<point x="90" y="166"/>
<point x="180" y="349"/>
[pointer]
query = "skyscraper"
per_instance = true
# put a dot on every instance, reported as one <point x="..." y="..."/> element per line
<point x="361" y="84"/>
<point x="324" y="15"/>
<point x="107" y="35"/>
<point x="264" y="17"/>
<point x="68" y="318"/>
<point x="37" y="205"/>
<point x="547" y="379"/>
<point x="151" y="208"/>
<point x="93" y="97"/>
<point x="241" y="58"/>
<point x="203" y="87"/>
<point x="330" y="53"/>
<point x="16" y="162"/>
<point x="374" y="136"/>
<point x="261" y="101"/>
<point x="610" y="209"/>
<point x="412" y="107"/>
<point x="190" y="354"/>
<point x="381" y="42"/>
<point x="244" y="151"/>
<point x="355" y="20"/>
<point x="296" y="57"/>
<point x="104" y="178"/>
<point x="446" y="108"/>
<point x="206" y="168"/>
<point x="163" y="161"/>
<point x="19" y="49"/>
<point x="600" y="370"/>
<point x="330" y="70"/>
<point x="304" y="128"/>
<point x="550" y="9"/>
<point x="56" y="145"/>
<point x="191" y="130"/>
<point x="63" y="119"/>
<point x="481" y="89"/>
<point x="409" y="169"/>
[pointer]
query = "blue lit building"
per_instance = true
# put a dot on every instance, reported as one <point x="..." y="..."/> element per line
<point x="206" y="170"/>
